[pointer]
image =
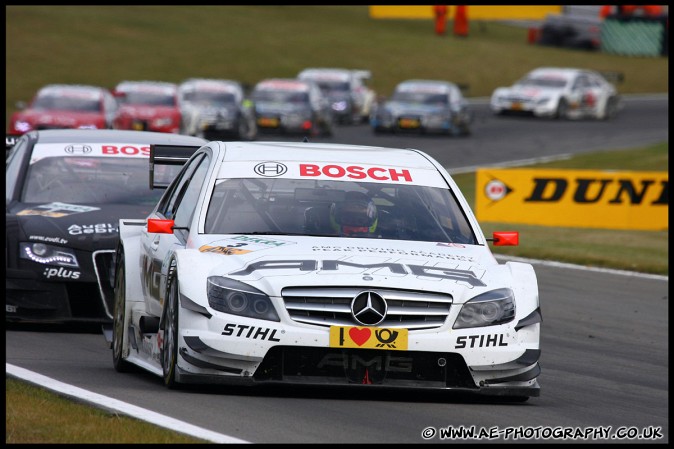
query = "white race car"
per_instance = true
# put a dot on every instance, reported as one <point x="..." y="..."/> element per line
<point x="563" y="93"/>
<point x="323" y="264"/>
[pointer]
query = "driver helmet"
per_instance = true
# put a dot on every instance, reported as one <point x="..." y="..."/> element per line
<point x="357" y="214"/>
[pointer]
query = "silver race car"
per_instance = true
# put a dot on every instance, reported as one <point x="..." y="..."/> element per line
<point x="424" y="106"/>
<point x="321" y="264"/>
<point x="562" y="93"/>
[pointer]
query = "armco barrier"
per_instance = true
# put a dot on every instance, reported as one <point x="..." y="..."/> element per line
<point x="634" y="36"/>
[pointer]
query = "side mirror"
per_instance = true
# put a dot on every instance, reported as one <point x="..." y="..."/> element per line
<point x="506" y="238"/>
<point x="157" y="226"/>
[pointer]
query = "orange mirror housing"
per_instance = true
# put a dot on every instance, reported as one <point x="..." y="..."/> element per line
<point x="157" y="226"/>
<point x="506" y="238"/>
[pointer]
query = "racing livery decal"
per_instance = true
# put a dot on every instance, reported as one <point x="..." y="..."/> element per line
<point x="57" y="210"/>
<point x="366" y="337"/>
<point x="224" y="250"/>
<point x="371" y="250"/>
<point x="99" y="228"/>
<point x="480" y="341"/>
<point x="42" y="238"/>
<point x="256" y="333"/>
<point x="334" y="265"/>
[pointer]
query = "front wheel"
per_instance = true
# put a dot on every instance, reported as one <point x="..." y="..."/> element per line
<point x="562" y="110"/>
<point x="119" y="318"/>
<point x="169" y="351"/>
<point x="611" y="108"/>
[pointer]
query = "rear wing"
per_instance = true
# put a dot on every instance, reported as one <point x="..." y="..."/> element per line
<point x="163" y="155"/>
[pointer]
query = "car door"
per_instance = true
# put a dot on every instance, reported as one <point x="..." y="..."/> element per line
<point x="179" y="205"/>
<point x="585" y="95"/>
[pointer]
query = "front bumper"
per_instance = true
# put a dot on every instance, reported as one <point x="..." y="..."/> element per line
<point x="37" y="293"/>
<point x="495" y="361"/>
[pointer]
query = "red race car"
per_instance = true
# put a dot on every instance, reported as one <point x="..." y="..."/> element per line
<point x="147" y="106"/>
<point x="70" y="106"/>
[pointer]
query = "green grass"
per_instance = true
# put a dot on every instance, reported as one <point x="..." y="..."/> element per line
<point x="103" y="45"/>
<point x="35" y="415"/>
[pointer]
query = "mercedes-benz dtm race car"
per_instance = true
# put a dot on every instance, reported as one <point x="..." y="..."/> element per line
<point x="350" y="98"/>
<point x="562" y="93"/>
<point x="291" y="106"/>
<point x="216" y="109"/>
<point x="65" y="191"/>
<point x="423" y="106"/>
<point x="322" y="264"/>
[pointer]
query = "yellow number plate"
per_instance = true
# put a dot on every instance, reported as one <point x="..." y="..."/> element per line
<point x="516" y="106"/>
<point x="268" y="122"/>
<point x="368" y="337"/>
<point x="408" y="123"/>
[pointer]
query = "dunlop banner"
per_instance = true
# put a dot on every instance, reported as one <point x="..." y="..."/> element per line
<point x="574" y="198"/>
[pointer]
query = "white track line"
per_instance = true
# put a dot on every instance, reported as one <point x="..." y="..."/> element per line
<point x="551" y="263"/>
<point x="119" y="406"/>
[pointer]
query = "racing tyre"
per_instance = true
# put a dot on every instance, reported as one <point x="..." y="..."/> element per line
<point x="562" y="110"/>
<point x="119" y="318"/>
<point x="169" y="351"/>
<point x="611" y="108"/>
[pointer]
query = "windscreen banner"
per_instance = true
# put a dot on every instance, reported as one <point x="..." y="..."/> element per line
<point x="628" y="200"/>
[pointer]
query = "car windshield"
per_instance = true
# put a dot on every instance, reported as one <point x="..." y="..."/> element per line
<point x="100" y="180"/>
<point x="148" y="98"/>
<point x="420" y="98"/>
<point x="319" y="208"/>
<point x="209" y="98"/>
<point x="543" y="82"/>
<point x="67" y="103"/>
<point x="280" y="96"/>
<point x="333" y="86"/>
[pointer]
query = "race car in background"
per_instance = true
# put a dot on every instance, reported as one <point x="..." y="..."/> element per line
<point x="424" y="106"/>
<point x="322" y="264"/>
<point x="561" y="93"/>
<point x="216" y="109"/>
<point x="350" y="97"/>
<point x="148" y="106"/>
<point x="65" y="106"/>
<point x="65" y="193"/>
<point x="291" y="106"/>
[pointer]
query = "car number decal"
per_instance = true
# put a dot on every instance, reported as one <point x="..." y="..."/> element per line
<point x="368" y="337"/>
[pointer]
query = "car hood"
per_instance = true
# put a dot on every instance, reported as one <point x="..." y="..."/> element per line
<point x="532" y="92"/>
<point x="80" y="226"/>
<point x="147" y="112"/>
<point x="275" y="262"/>
<point x="264" y="107"/>
<point x="69" y="119"/>
<point x="397" y="108"/>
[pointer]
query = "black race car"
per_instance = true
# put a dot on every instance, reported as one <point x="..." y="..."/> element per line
<point x="65" y="193"/>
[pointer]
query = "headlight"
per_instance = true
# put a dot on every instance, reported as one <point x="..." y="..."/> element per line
<point x="164" y="121"/>
<point x="22" y="126"/>
<point x="339" y="105"/>
<point x="48" y="254"/>
<point x="487" y="309"/>
<point x="542" y="100"/>
<point x="230" y="296"/>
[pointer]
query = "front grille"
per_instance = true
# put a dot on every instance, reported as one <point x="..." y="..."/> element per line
<point x="104" y="264"/>
<point x="331" y="306"/>
<point x="43" y="126"/>
<point x="329" y="366"/>
<point x="519" y="99"/>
